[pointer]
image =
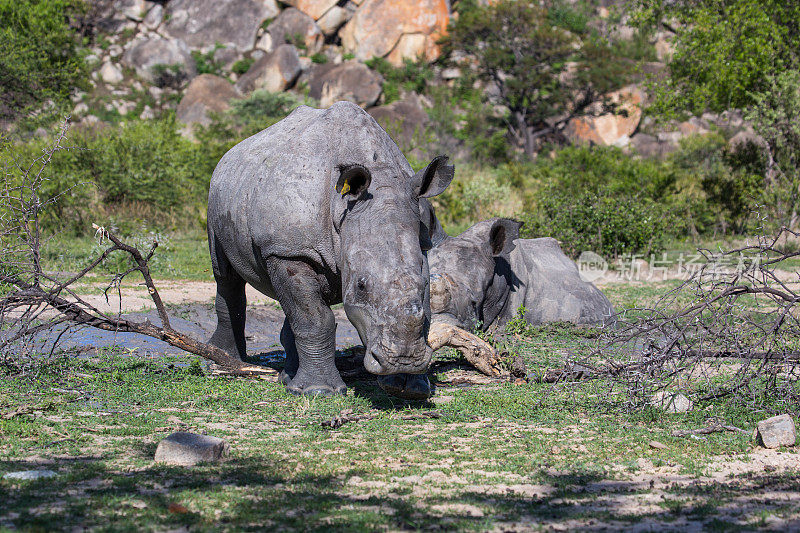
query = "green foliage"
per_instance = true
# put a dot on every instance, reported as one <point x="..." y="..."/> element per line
<point x="40" y="56"/>
<point x="319" y="58"/>
<point x="412" y="76"/>
<point x="725" y="50"/>
<point x="205" y="63"/>
<point x="172" y="76"/>
<point x="241" y="66"/>
<point x="348" y="56"/>
<point x="141" y="166"/>
<point x="518" y="325"/>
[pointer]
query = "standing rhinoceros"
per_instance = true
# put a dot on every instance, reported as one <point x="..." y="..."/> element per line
<point x="317" y="209"/>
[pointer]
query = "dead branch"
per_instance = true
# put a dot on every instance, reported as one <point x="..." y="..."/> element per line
<point x="475" y="350"/>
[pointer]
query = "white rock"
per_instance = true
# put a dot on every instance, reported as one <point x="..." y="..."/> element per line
<point x="154" y="17"/>
<point x="124" y="107"/>
<point x="188" y="449"/>
<point x="80" y="109"/>
<point x="776" y="431"/>
<point x="110" y="73"/>
<point x="265" y="43"/>
<point x="147" y="113"/>
<point x="28" y="475"/>
<point x="671" y="402"/>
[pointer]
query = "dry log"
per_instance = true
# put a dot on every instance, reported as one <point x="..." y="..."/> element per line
<point x="477" y="351"/>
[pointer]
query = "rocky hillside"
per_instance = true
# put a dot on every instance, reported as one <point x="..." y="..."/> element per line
<point x="195" y="56"/>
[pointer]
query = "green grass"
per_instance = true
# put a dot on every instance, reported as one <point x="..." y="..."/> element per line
<point x="499" y="454"/>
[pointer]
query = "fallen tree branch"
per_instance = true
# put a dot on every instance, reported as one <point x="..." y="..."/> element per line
<point x="715" y="428"/>
<point x="347" y="416"/>
<point x="475" y="350"/>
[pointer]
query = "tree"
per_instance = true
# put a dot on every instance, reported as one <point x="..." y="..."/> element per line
<point x="516" y="47"/>
<point x="39" y="54"/>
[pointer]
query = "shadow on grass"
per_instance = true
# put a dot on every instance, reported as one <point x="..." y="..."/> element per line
<point x="253" y="493"/>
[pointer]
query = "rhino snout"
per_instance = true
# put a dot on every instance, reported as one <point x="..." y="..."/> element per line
<point x="378" y="361"/>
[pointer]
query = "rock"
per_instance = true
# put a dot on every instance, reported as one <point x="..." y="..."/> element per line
<point x="313" y="8"/>
<point x="378" y="25"/>
<point x="162" y="62"/>
<point x="693" y="126"/>
<point x="147" y="113"/>
<point x="671" y="402"/>
<point x="776" y="431"/>
<point x="291" y="25"/>
<point x="657" y="445"/>
<point x="207" y="93"/>
<point x="265" y="43"/>
<point x="333" y="19"/>
<point x="133" y="9"/>
<point x="30" y="475"/>
<point x="114" y="51"/>
<point x="452" y="73"/>
<point x="123" y="107"/>
<point x="746" y="140"/>
<point x="80" y="109"/>
<point x="154" y="17"/>
<point x="202" y="23"/>
<point x="664" y="47"/>
<point x="606" y="129"/>
<point x="110" y="73"/>
<point x="351" y="81"/>
<point x="273" y="72"/>
<point x="671" y="137"/>
<point x="188" y="449"/>
<point x="405" y="120"/>
<point x="226" y="56"/>
<point x="271" y="8"/>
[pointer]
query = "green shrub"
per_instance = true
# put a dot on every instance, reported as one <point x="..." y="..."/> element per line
<point x="205" y="63"/>
<point x="241" y="66"/>
<point x="412" y="76"/>
<point x="319" y="58"/>
<point x="40" y="56"/>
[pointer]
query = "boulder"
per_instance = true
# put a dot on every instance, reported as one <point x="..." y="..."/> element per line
<point x="202" y="23"/>
<point x="291" y="25"/>
<point x="160" y="61"/>
<point x="112" y="17"/>
<point x="693" y="126"/>
<point x="333" y="19"/>
<point x="274" y="72"/>
<point x="207" y="93"/>
<point x="607" y="128"/>
<point x="351" y="81"/>
<point x="187" y="449"/>
<point x="405" y="120"/>
<point x="378" y="25"/>
<point x="776" y="431"/>
<point x="154" y="17"/>
<point x="671" y="402"/>
<point x="110" y="73"/>
<point x="313" y="8"/>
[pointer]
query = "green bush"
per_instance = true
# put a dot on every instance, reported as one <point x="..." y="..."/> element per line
<point x="412" y="76"/>
<point x="205" y="63"/>
<point x="241" y="66"/>
<point x="40" y="56"/>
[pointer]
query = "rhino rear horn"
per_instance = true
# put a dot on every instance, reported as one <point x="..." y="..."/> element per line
<point x="434" y="179"/>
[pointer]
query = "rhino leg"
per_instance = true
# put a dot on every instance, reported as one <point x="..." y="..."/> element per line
<point x="289" y="346"/>
<point x="311" y="326"/>
<point x="230" y="305"/>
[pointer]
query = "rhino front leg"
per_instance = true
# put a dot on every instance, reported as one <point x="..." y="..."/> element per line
<point x="309" y="330"/>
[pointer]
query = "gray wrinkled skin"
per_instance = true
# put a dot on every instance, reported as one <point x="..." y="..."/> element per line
<point x="321" y="208"/>
<point x="484" y="275"/>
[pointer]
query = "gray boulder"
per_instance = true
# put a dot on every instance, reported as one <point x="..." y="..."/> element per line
<point x="405" y="120"/>
<point x="671" y="402"/>
<point x="187" y="449"/>
<point x="162" y="62"/>
<point x="274" y="72"/>
<point x="351" y="81"/>
<point x="776" y="431"/>
<point x="293" y="25"/>
<point x="206" y="94"/>
<point x="202" y="23"/>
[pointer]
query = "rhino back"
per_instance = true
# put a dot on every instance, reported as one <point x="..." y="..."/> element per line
<point x="271" y="193"/>
<point x="550" y="286"/>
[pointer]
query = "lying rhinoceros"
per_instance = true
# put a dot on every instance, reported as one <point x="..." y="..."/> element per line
<point x="317" y="209"/>
<point x="484" y="275"/>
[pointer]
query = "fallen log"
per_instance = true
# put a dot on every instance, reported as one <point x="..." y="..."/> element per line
<point x="475" y="350"/>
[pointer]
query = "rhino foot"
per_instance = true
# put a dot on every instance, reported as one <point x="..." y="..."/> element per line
<point x="307" y="385"/>
<point x="407" y="386"/>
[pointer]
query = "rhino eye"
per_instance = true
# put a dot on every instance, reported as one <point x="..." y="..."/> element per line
<point x="361" y="284"/>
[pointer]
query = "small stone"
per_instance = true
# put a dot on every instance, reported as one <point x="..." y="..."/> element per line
<point x="657" y="445"/>
<point x="154" y="17"/>
<point x="776" y="431"/>
<point x="188" y="449"/>
<point x="29" y="475"/>
<point x="80" y="109"/>
<point x="110" y="73"/>
<point x="671" y="402"/>
<point x="147" y="113"/>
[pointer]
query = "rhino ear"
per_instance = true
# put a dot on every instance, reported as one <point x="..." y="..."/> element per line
<point x="434" y="178"/>
<point x="502" y="235"/>
<point x="353" y="180"/>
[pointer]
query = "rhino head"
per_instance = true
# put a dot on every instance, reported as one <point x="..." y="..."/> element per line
<point x="385" y="276"/>
<point x="470" y="274"/>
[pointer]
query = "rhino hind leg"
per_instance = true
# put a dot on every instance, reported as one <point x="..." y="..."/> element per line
<point x="230" y="305"/>
<point x="309" y="331"/>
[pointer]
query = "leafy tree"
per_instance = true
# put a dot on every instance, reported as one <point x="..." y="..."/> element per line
<point x="40" y="58"/>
